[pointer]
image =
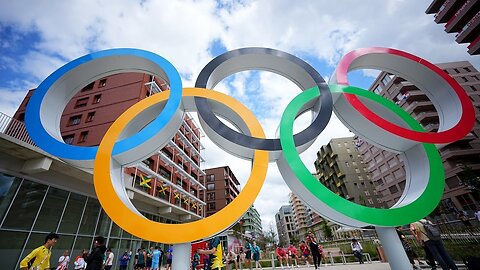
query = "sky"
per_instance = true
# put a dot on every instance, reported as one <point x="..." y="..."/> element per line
<point x="38" y="37"/>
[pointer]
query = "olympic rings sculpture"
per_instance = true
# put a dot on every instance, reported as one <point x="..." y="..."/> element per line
<point x="149" y="124"/>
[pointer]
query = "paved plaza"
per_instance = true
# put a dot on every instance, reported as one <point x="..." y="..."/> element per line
<point x="355" y="266"/>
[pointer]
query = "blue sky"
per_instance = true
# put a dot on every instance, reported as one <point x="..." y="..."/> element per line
<point x="37" y="37"/>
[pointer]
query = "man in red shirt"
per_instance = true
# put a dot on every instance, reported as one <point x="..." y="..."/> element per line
<point x="292" y="254"/>
<point x="281" y="255"/>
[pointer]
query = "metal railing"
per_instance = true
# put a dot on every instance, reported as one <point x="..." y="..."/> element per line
<point x="14" y="128"/>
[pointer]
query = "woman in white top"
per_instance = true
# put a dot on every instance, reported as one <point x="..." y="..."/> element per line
<point x="357" y="250"/>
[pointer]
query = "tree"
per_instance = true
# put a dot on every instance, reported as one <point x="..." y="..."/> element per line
<point x="470" y="178"/>
<point x="327" y="231"/>
<point x="270" y="237"/>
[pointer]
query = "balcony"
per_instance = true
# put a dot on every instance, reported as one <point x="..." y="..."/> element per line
<point x="471" y="30"/>
<point x="435" y="6"/>
<point x="416" y="95"/>
<point x="448" y="10"/>
<point x="457" y="153"/>
<point x="462" y="16"/>
<point x="474" y="47"/>
<point x="420" y="106"/>
<point x="427" y="117"/>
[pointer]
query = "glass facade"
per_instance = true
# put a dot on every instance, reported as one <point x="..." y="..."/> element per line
<point x="30" y="210"/>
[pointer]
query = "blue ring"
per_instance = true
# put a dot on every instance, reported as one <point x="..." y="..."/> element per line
<point x="62" y="150"/>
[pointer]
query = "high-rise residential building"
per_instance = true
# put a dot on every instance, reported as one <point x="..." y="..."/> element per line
<point x="340" y="167"/>
<point x="285" y="222"/>
<point x="461" y="17"/>
<point x="222" y="187"/>
<point x="306" y="220"/>
<point x="460" y="159"/>
<point x="41" y="194"/>
<point x="252" y="223"/>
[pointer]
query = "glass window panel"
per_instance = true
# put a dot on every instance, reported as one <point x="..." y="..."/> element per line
<point x="73" y="213"/>
<point x="103" y="224"/>
<point x="82" y="243"/>
<point x="51" y="210"/>
<point x="25" y="206"/>
<point x="8" y="187"/>
<point x="116" y="231"/>
<point x="89" y="219"/>
<point x="11" y="247"/>
<point x="127" y="235"/>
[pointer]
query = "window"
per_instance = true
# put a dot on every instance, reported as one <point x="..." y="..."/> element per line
<point x="370" y="201"/>
<point x="377" y="89"/>
<point x="90" y="117"/>
<point x="347" y="164"/>
<point x="88" y="87"/>
<point x="387" y="79"/>
<point x="357" y="170"/>
<point x="96" y="99"/>
<point x="68" y="139"/>
<point x="210" y="196"/>
<point x="211" y="186"/>
<point x="360" y="177"/>
<point x="210" y="178"/>
<point x="74" y="120"/>
<point x="367" y="193"/>
<point x="82" y="102"/>
<point x="102" y="83"/>
<point x="83" y="137"/>
<point x="354" y="163"/>
<point x="210" y="206"/>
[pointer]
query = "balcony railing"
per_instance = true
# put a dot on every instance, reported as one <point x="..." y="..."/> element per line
<point x="14" y="128"/>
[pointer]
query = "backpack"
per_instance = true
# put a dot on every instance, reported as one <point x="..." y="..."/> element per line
<point x="432" y="231"/>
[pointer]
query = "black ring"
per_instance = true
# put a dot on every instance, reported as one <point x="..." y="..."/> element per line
<point x="234" y="61"/>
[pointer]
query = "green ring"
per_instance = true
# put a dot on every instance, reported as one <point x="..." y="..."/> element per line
<point x="412" y="212"/>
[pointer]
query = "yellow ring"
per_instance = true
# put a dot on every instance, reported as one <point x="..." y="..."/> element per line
<point x="186" y="232"/>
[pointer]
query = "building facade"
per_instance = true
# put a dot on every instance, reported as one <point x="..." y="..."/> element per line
<point x="461" y="17"/>
<point x="340" y="167"/>
<point x="460" y="158"/>
<point x="306" y="220"/>
<point x="252" y="223"/>
<point x="56" y="197"/>
<point x="221" y="188"/>
<point x="286" y="229"/>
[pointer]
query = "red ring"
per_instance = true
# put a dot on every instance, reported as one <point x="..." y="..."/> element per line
<point x="460" y="130"/>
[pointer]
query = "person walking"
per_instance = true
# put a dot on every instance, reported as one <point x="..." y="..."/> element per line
<point x="248" y="254"/>
<point x="357" y="250"/>
<point x="256" y="255"/>
<point x="39" y="258"/>
<point x="95" y="258"/>
<point x="313" y="244"/>
<point x="124" y="259"/>
<point x="408" y="249"/>
<point x="156" y="254"/>
<point x="169" y="258"/>
<point x="109" y="259"/>
<point x="427" y="234"/>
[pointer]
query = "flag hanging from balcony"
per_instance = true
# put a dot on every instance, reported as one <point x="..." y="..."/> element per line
<point x="145" y="181"/>
<point x="162" y="188"/>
